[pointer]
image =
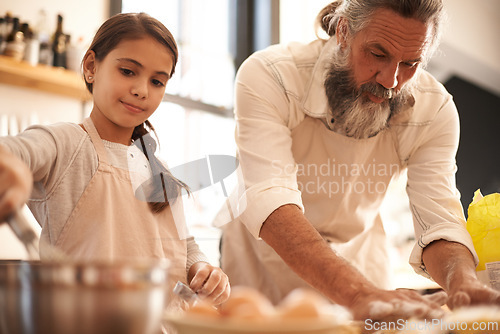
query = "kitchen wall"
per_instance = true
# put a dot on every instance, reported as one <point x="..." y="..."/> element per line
<point x="473" y="29"/>
<point x="470" y="47"/>
<point x="81" y="18"/>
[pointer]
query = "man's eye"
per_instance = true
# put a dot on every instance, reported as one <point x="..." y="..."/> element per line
<point x="410" y="64"/>
<point x="377" y="55"/>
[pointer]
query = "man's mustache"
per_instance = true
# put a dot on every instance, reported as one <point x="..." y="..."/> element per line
<point x="377" y="90"/>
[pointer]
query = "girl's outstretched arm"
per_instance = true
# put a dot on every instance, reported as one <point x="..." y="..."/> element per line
<point x="16" y="182"/>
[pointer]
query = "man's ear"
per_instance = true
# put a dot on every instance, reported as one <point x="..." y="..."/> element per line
<point x="89" y="63"/>
<point x="342" y="31"/>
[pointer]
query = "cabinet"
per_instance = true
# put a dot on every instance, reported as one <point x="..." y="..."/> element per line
<point x="44" y="78"/>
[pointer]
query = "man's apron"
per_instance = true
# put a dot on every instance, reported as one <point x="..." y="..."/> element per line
<point x="109" y="223"/>
<point x="343" y="182"/>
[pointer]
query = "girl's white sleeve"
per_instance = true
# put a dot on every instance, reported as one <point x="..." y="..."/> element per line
<point x="194" y="253"/>
<point x="37" y="147"/>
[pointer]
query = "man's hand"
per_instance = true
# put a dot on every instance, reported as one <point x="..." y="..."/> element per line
<point x="209" y="282"/>
<point x="452" y="266"/>
<point x="16" y="182"/>
<point x="384" y="305"/>
<point x="472" y="293"/>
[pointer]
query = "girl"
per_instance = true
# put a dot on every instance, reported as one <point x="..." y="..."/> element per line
<point x="79" y="175"/>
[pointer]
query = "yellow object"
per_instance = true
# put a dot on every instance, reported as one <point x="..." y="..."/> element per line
<point x="483" y="224"/>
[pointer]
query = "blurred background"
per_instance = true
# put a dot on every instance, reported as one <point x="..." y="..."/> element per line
<point x="195" y="119"/>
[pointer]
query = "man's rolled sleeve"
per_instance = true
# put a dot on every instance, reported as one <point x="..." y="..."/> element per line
<point x="264" y="198"/>
<point x="264" y="142"/>
<point x="442" y="231"/>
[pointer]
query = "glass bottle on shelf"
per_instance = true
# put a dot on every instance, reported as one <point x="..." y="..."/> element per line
<point x="43" y="34"/>
<point x="59" y="45"/>
<point x="9" y="22"/>
<point x="3" y="34"/>
<point x="75" y="53"/>
<point x="15" y="42"/>
<point x="32" y="45"/>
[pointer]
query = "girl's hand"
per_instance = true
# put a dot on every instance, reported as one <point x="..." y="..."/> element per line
<point x="209" y="282"/>
<point x="16" y="182"/>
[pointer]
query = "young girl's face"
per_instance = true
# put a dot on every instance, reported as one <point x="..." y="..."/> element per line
<point x="129" y="83"/>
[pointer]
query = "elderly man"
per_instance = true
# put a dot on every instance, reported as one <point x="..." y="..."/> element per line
<point x="322" y="129"/>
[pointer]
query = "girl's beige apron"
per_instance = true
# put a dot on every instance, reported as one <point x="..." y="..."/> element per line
<point x="343" y="181"/>
<point x="109" y="223"/>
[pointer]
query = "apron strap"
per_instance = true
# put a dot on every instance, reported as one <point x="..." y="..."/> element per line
<point x="96" y="140"/>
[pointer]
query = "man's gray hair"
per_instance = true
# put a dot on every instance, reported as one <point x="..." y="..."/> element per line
<point x="359" y="12"/>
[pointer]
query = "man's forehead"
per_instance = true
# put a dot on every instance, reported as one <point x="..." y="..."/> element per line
<point x="396" y="33"/>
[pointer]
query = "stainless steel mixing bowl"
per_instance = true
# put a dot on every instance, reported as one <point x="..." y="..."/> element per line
<point x="95" y="298"/>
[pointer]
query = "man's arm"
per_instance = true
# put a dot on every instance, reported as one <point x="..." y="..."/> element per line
<point x="452" y="266"/>
<point x="302" y="248"/>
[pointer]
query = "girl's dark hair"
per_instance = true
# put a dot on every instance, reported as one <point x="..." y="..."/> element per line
<point x="358" y="14"/>
<point x="130" y="26"/>
<point x="166" y="187"/>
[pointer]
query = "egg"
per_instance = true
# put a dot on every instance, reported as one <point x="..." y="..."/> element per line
<point x="302" y="304"/>
<point x="247" y="303"/>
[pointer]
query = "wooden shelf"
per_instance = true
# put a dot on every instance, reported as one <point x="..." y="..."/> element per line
<point x="45" y="78"/>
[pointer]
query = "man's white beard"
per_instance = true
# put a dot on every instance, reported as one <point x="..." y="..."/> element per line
<point x="353" y="113"/>
<point x="363" y="118"/>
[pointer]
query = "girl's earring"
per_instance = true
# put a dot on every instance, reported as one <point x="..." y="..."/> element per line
<point x="90" y="78"/>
